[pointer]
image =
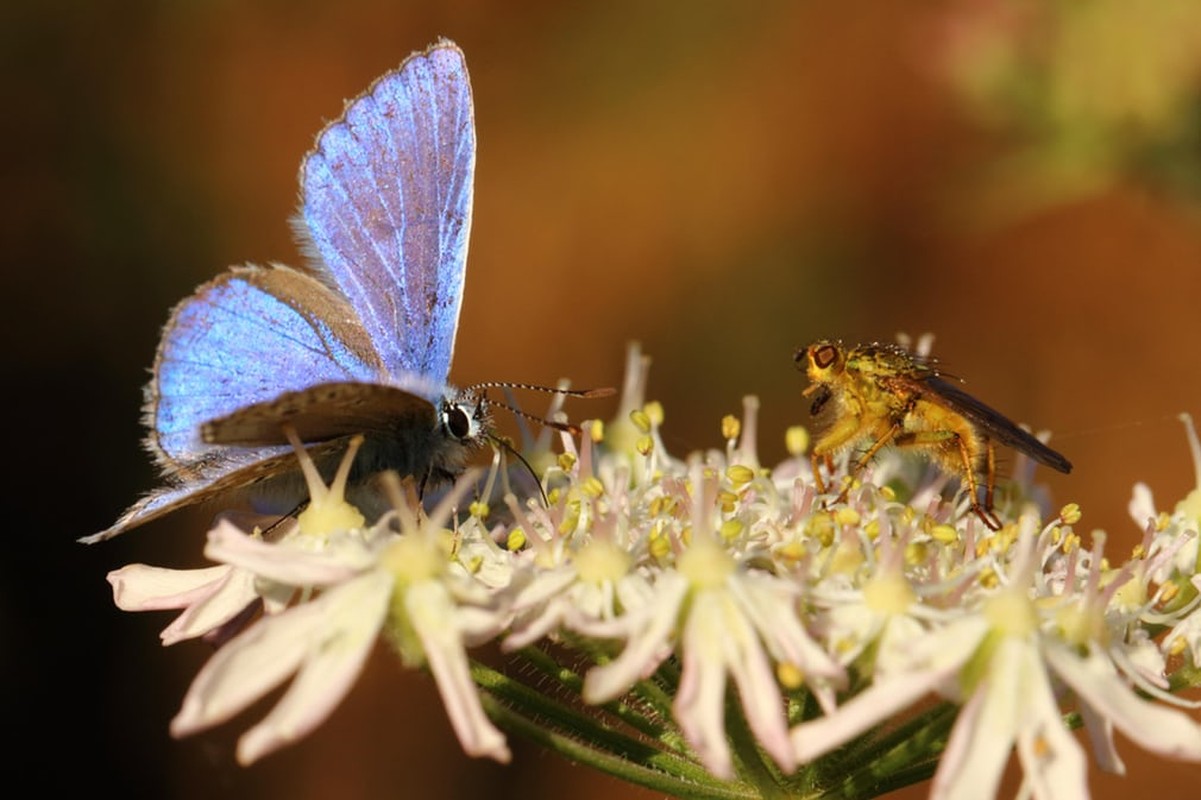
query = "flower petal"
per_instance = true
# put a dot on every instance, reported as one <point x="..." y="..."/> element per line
<point x="1166" y="731"/>
<point x="432" y="614"/>
<point x="332" y="663"/>
<point x="138" y="587"/>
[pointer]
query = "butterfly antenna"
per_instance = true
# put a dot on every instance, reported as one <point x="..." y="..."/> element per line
<point x="566" y="427"/>
<point x="603" y="391"/>
<point x="504" y="445"/>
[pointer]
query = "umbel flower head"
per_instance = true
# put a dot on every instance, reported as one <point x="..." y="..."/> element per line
<point x="746" y="635"/>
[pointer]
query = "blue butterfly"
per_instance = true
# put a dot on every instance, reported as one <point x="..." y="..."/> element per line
<point x="361" y="343"/>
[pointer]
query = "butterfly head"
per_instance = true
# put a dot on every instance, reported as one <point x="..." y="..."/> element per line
<point x="464" y="417"/>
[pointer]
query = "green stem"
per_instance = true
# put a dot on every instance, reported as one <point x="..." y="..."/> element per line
<point x="749" y="759"/>
<point x="649" y="725"/>
<point x="911" y="759"/>
<point x="684" y="780"/>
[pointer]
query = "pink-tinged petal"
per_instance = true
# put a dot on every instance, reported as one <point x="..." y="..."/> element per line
<point x="862" y="712"/>
<point x="432" y="614"/>
<point x="331" y="666"/>
<point x="546" y="585"/>
<point x="139" y="587"/>
<point x="276" y="561"/>
<point x="757" y="688"/>
<point x="1053" y="763"/>
<point x="1100" y="734"/>
<point x="1160" y="729"/>
<point x="233" y="594"/>
<point x="777" y="622"/>
<point x="1142" y="505"/>
<point x="533" y="628"/>
<point x="699" y="706"/>
<point x="984" y="732"/>
<point x="646" y="646"/>
<point x="251" y="664"/>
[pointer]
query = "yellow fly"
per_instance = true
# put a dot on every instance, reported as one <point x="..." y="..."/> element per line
<point x="886" y="395"/>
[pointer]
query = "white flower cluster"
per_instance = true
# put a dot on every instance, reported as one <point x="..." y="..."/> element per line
<point x="833" y="621"/>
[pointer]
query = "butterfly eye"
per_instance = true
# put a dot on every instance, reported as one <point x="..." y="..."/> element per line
<point x="456" y="421"/>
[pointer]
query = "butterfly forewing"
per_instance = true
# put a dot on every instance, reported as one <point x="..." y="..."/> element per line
<point x="387" y="198"/>
<point x="244" y="338"/>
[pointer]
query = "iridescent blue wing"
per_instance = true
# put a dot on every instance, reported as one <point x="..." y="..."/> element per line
<point x="386" y="209"/>
<point x="241" y="339"/>
<point x="386" y="206"/>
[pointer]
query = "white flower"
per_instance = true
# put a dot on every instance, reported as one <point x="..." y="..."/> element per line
<point x="1008" y="664"/>
<point x="724" y="620"/>
<point x="354" y="583"/>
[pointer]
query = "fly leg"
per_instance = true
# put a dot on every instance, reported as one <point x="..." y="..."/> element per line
<point x="889" y="437"/>
<point x="843" y="433"/>
<point x="944" y="439"/>
<point x="995" y="523"/>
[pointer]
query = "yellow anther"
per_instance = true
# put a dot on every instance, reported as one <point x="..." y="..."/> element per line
<point x="739" y="474"/>
<point x="789" y="675"/>
<point x="515" y="541"/>
<point x="944" y="534"/>
<point x="641" y="421"/>
<point x="847" y="516"/>
<point x="479" y="509"/>
<point x="596" y="431"/>
<point x="1070" y="514"/>
<point x="730" y="427"/>
<point x="916" y="553"/>
<point x="654" y="412"/>
<point x="644" y="445"/>
<point x="566" y="461"/>
<point x="796" y="440"/>
<point x="821" y="528"/>
<point x="659" y="545"/>
<point x="592" y="487"/>
<point x="731" y="529"/>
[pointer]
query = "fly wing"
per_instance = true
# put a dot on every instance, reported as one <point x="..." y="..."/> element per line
<point x="993" y="422"/>
<point x="386" y="207"/>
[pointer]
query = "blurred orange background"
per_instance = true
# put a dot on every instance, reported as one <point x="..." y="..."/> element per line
<point x="721" y="182"/>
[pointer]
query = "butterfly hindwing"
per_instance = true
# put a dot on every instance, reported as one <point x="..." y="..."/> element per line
<point x="325" y="411"/>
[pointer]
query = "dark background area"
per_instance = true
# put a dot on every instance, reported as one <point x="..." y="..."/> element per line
<point x="1020" y="179"/>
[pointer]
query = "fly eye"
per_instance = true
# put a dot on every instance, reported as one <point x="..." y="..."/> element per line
<point x="456" y="421"/>
<point x="824" y="356"/>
